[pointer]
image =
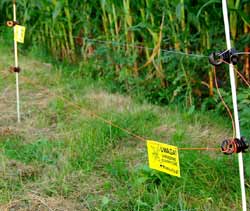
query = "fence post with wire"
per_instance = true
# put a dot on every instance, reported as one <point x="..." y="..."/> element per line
<point x="19" y="33"/>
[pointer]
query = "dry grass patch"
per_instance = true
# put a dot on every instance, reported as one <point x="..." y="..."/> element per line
<point x="32" y="104"/>
<point x="36" y="202"/>
<point x="207" y="136"/>
<point x="102" y="100"/>
<point x="13" y="169"/>
<point x="165" y="131"/>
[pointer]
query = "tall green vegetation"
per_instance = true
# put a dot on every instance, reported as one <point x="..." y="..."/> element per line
<point x="124" y="41"/>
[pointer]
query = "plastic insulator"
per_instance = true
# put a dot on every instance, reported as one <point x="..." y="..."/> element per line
<point x="15" y="69"/>
<point x="235" y="145"/>
<point x="228" y="147"/>
<point x="215" y="59"/>
<point x="228" y="56"/>
<point x="11" y="23"/>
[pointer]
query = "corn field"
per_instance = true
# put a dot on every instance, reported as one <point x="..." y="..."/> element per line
<point x="137" y="43"/>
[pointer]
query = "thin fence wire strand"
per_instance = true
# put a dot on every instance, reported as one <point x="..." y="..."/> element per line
<point x="224" y="103"/>
<point x="242" y="53"/>
<point x="124" y="44"/>
<point x="242" y="77"/>
<point x="108" y="122"/>
<point x="238" y="72"/>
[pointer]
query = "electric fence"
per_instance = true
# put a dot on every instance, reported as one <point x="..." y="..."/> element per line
<point x="231" y="57"/>
<point x="236" y="144"/>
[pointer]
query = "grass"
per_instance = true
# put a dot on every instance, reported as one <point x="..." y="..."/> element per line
<point x="62" y="158"/>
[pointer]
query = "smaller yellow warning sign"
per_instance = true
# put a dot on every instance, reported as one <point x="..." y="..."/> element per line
<point x="19" y="33"/>
<point x="163" y="157"/>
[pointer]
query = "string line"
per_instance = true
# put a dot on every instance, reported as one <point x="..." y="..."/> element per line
<point x="108" y="122"/>
<point x="238" y="72"/>
<point x="242" y="77"/>
<point x="125" y="44"/>
<point x="224" y="103"/>
<point x="242" y="53"/>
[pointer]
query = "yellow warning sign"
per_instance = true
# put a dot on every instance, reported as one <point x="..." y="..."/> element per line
<point x="19" y="33"/>
<point x="163" y="157"/>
